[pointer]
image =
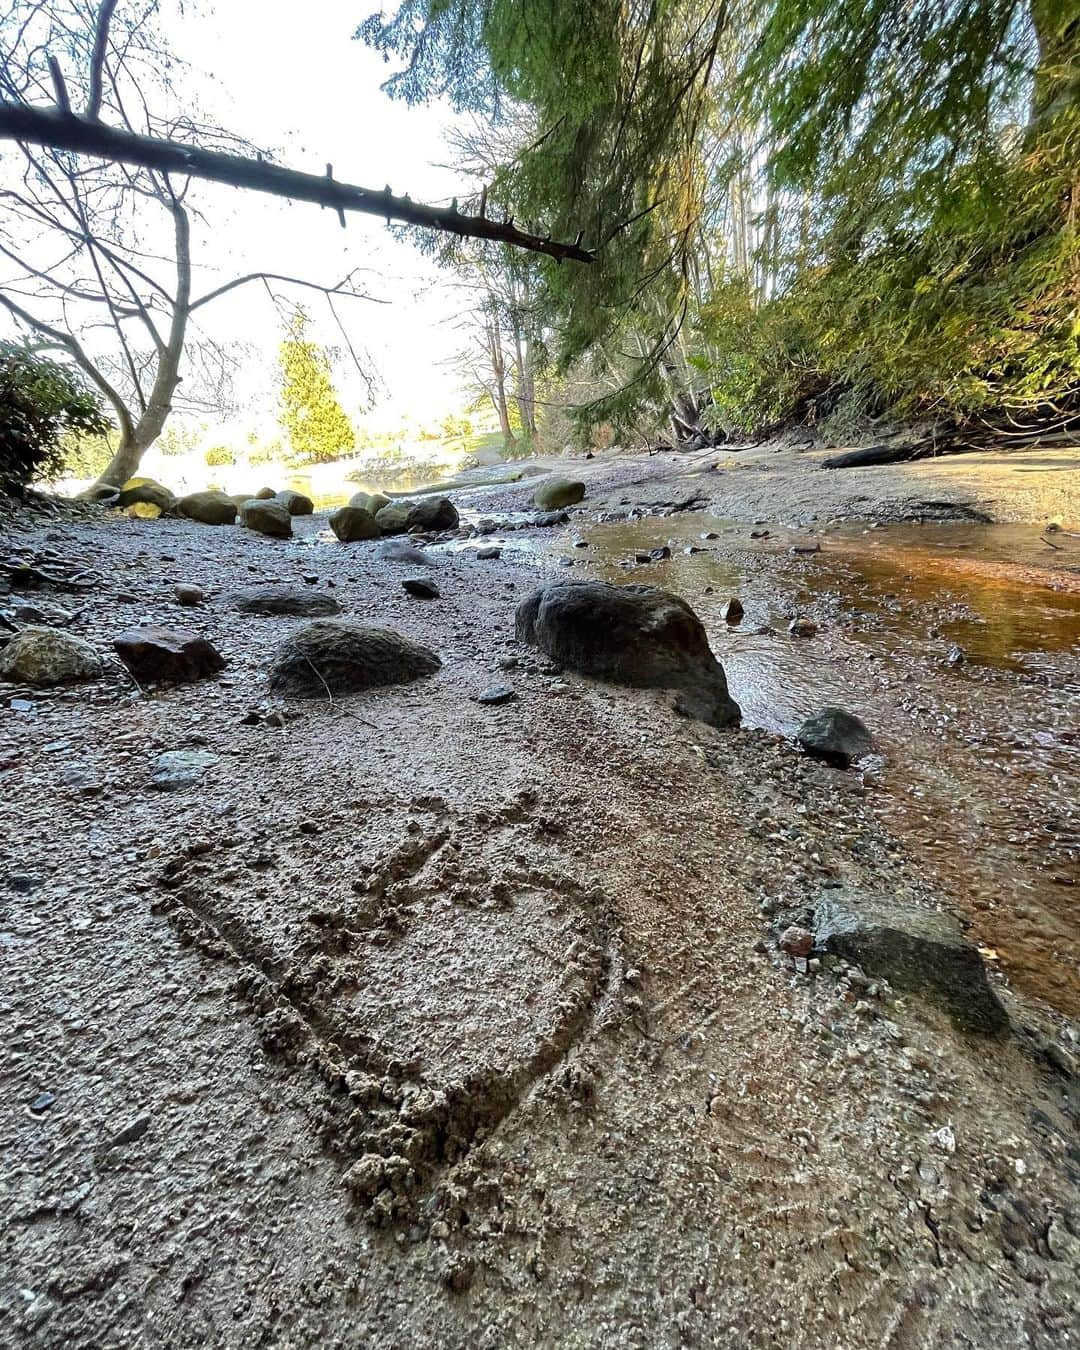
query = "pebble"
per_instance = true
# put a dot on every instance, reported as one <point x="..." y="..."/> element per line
<point x="189" y="595"/>
<point x="43" y="1102"/>
<point x="489" y="553"/>
<point x="495" y="694"/>
<point x="133" y="1130"/>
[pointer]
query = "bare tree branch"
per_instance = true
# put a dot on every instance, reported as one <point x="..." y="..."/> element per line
<point x="342" y="287"/>
<point x="97" y="60"/>
<point x="43" y="126"/>
<point x="58" y="338"/>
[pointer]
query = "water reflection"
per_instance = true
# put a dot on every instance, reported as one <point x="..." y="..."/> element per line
<point x="970" y="681"/>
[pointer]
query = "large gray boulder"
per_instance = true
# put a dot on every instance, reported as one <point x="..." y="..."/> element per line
<point x="173" y="654"/>
<point x="43" y="656"/>
<point x="352" y="524"/>
<point x="209" y="508"/>
<point x="835" y="736"/>
<point x="369" y="501"/>
<point x="331" y="656"/>
<point x="267" y="516"/>
<point x="556" y="493"/>
<point x="634" y="635"/>
<point x="917" y="950"/>
<point x="294" y="502"/>
<point x="288" y="600"/>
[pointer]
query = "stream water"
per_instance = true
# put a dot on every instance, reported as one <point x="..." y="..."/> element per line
<point x="967" y="671"/>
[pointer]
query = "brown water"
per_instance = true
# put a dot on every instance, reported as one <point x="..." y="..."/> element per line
<point x="979" y="771"/>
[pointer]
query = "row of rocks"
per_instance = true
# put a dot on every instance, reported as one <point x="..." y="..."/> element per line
<point x="370" y="515"/>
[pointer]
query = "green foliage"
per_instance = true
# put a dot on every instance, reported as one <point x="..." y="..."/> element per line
<point x="850" y="209"/>
<point x="87" y="455"/>
<point x="42" y="405"/>
<point x="310" y="414"/>
<point x="218" y="456"/>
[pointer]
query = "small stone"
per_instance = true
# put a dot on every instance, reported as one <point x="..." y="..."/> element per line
<point x="496" y="693"/>
<point x="458" y="1272"/>
<point x="508" y="663"/>
<point x="956" y="656"/>
<point x="23" y="882"/>
<point x="132" y="1131"/>
<point x="43" y="1102"/>
<point x="275" y="719"/>
<point x="189" y="595"/>
<point x="660" y="554"/>
<point x="806" y="548"/>
<point x="796" y="941"/>
<point x="733" y="611"/>
<point x="489" y="553"/>
<point x="421" y="588"/>
<point x="177" y="769"/>
<point x="802" y="628"/>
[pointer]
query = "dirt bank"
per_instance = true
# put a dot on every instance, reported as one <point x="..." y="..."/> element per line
<point x="780" y="483"/>
<point x="416" y="1021"/>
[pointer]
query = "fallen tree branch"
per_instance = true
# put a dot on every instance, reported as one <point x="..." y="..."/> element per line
<point x="81" y="136"/>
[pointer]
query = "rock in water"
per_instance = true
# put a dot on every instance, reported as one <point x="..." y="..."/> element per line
<point x="372" y="502"/>
<point x="294" y="502"/>
<point x="835" y="736"/>
<point x="634" y="635"/>
<point x="353" y="523"/>
<point x="284" y="600"/>
<point x="918" y="951"/>
<point x="733" y="611"/>
<point x="331" y="657"/>
<point x="210" y="508"/>
<point x="153" y="653"/>
<point x="267" y="516"/>
<point x="42" y="656"/>
<point x="557" y="493"/>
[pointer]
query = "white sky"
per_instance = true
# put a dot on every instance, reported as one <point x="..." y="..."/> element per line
<point x="292" y="79"/>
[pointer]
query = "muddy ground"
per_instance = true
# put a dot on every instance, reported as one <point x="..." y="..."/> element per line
<point x="416" y="1021"/>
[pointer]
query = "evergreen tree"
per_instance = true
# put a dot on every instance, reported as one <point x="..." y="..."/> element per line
<point x="310" y="414"/>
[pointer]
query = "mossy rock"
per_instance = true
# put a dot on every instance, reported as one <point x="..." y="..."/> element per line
<point x="267" y="515"/>
<point x="394" y="519"/>
<point x="353" y="523"/>
<point x="145" y="491"/>
<point x="369" y="501"/>
<point x="557" y="493"/>
<point x="295" y="502"/>
<point x="209" y="508"/>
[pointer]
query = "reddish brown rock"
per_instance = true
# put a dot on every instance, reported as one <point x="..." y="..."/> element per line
<point x="153" y="653"/>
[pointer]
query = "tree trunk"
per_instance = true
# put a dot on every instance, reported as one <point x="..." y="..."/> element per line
<point x="148" y="428"/>
<point x="498" y="372"/>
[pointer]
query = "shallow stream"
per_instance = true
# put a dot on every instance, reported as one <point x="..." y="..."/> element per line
<point x="965" y="668"/>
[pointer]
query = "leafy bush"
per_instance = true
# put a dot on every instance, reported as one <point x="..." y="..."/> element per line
<point x="219" y="455"/>
<point x="42" y="405"/>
